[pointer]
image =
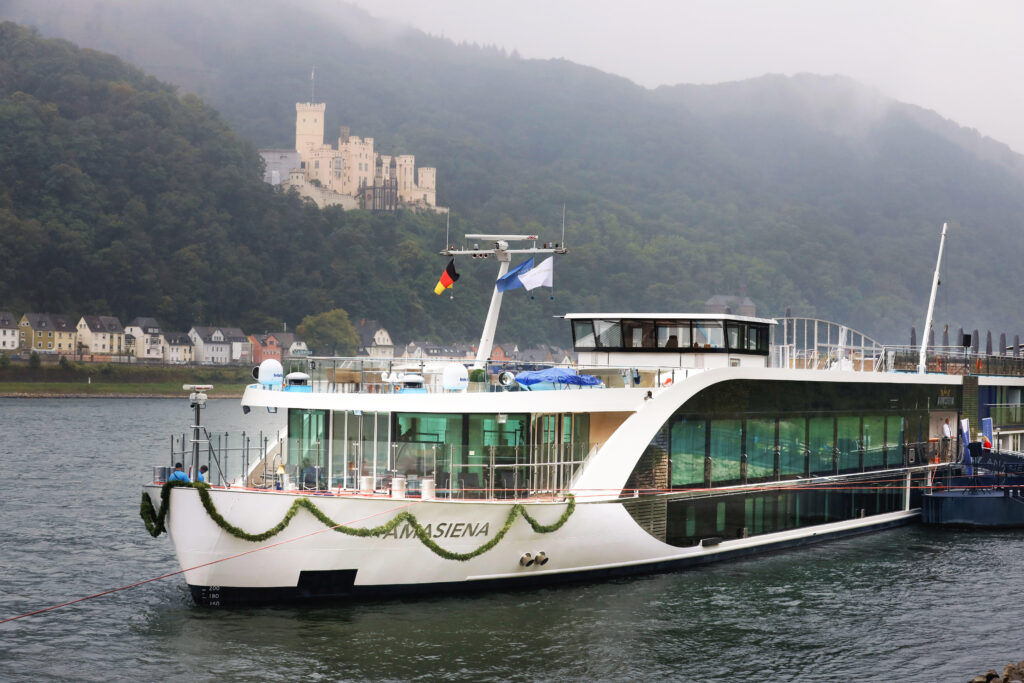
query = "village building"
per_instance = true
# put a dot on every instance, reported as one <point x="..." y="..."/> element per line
<point x="730" y="304"/>
<point x="47" y="333"/>
<point x="425" y="349"/>
<point x="178" y="348"/>
<point x="504" y="352"/>
<point x="8" y="332"/>
<point x="146" y="339"/>
<point x="241" y="347"/>
<point x="100" y="334"/>
<point x="264" y="347"/>
<point x="374" y="340"/>
<point x="291" y="346"/>
<point x="210" y="345"/>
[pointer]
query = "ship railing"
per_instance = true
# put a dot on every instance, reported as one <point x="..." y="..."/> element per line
<point x="952" y="360"/>
<point x="826" y="357"/>
<point x="404" y="375"/>
<point x="233" y="459"/>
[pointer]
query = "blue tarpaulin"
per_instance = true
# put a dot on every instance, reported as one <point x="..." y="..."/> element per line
<point x="556" y="376"/>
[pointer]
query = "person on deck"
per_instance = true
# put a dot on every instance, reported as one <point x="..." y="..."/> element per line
<point x="947" y="435"/>
<point x="202" y="473"/>
<point x="178" y="474"/>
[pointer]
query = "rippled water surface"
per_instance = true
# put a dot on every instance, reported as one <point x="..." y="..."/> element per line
<point x="910" y="604"/>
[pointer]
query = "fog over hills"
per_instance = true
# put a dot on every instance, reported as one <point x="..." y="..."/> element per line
<point x="811" y="192"/>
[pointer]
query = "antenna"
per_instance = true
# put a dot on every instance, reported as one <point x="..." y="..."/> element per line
<point x="921" y="366"/>
<point x="563" y="225"/>
<point x="312" y="85"/>
<point x="447" y="227"/>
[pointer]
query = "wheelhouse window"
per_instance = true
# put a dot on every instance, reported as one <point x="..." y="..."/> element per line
<point x="609" y="334"/>
<point x="583" y="334"/>
<point x="664" y="335"/>
<point x="674" y="335"/>
<point x="708" y="334"/>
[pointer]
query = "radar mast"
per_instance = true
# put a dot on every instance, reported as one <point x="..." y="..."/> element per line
<point x="502" y="250"/>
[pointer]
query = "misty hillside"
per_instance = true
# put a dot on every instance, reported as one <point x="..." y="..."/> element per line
<point x="813" y="193"/>
<point x="119" y="196"/>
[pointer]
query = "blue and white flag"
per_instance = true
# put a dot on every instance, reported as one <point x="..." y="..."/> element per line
<point x="541" y="276"/>
<point x="511" y="279"/>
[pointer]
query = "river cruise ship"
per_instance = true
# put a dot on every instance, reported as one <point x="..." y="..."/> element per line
<point x="674" y="440"/>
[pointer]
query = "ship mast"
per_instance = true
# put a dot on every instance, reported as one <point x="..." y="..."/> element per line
<point x="928" y="322"/>
<point x="504" y="253"/>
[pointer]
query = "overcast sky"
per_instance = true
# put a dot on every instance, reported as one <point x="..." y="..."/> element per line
<point x="963" y="59"/>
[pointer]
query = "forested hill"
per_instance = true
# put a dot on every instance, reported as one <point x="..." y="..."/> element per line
<point x="119" y="196"/>
<point x="811" y="193"/>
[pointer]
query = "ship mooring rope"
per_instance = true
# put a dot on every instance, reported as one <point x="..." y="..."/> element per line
<point x="198" y="566"/>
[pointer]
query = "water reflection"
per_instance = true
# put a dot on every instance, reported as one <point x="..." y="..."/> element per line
<point x="914" y="602"/>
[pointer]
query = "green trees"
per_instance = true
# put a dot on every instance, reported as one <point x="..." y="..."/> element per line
<point x="329" y="333"/>
<point x="118" y="195"/>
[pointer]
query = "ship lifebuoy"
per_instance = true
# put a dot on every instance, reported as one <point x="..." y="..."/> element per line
<point x="667" y="383"/>
<point x="979" y="365"/>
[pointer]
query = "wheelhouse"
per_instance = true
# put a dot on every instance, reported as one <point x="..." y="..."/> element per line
<point x="671" y="340"/>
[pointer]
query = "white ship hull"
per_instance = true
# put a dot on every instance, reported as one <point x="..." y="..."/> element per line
<point x="310" y="561"/>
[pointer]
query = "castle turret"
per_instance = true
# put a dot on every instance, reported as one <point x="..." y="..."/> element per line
<point x="309" y="127"/>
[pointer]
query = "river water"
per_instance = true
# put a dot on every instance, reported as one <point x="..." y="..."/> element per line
<point x="911" y="604"/>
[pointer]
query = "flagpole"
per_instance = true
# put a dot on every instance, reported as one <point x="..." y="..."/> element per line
<point x="483" y="352"/>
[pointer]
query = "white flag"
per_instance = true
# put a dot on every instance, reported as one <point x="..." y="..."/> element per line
<point x="540" y="276"/>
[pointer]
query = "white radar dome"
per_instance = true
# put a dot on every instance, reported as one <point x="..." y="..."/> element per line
<point x="270" y="374"/>
<point x="455" y="377"/>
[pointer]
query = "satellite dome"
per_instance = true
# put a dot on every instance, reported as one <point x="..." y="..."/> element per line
<point x="270" y="374"/>
<point x="455" y="377"/>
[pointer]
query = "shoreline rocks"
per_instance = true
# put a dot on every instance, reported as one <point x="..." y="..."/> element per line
<point x="1011" y="672"/>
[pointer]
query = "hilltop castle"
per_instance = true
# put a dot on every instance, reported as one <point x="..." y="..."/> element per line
<point x="351" y="175"/>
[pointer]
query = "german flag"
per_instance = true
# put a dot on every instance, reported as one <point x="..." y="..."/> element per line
<point x="448" y="278"/>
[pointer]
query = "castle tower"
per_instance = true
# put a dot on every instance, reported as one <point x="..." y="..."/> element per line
<point x="309" y="128"/>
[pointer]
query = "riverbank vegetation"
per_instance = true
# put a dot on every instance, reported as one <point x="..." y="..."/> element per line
<point x="68" y="378"/>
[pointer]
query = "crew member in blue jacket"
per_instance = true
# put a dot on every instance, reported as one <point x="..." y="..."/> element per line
<point x="178" y="474"/>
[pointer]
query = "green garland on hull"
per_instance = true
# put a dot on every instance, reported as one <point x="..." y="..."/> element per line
<point x="155" y="521"/>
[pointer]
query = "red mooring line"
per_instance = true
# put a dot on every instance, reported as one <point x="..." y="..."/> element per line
<point x="200" y="566"/>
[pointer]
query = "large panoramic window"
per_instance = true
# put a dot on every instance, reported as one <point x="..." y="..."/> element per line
<point x="754" y="513"/>
<point x="820" y="442"/>
<point x="760" y="449"/>
<point x="307" y="447"/>
<point x="894" y="441"/>
<point x="429" y="444"/>
<point x="687" y="452"/>
<point x="874" y="441"/>
<point x="792" y="453"/>
<point x="848" y="443"/>
<point x="726" y="449"/>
